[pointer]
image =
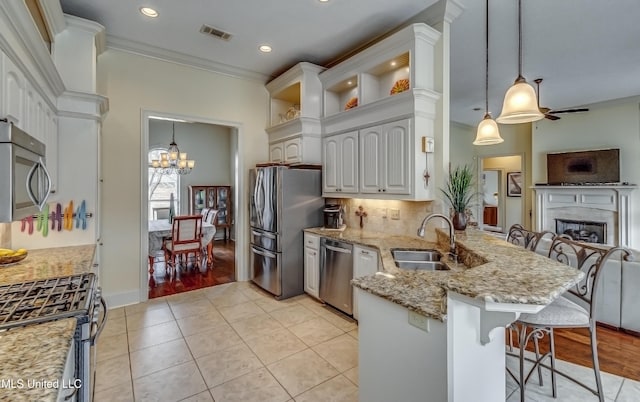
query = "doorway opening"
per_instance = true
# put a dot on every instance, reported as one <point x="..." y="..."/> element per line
<point x="213" y="145"/>
<point x="502" y="190"/>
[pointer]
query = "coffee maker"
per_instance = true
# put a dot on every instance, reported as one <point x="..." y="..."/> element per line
<point x="333" y="216"/>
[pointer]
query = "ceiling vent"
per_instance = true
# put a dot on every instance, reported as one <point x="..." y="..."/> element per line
<point x="209" y="30"/>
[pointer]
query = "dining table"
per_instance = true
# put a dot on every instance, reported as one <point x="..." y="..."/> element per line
<point x="160" y="229"/>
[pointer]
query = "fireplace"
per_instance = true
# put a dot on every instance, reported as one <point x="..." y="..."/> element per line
<point x="610" y="206"/>
<point x="586" y="231"/>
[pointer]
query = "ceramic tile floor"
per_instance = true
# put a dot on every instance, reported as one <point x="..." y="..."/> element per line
<point x="234" y="342"/>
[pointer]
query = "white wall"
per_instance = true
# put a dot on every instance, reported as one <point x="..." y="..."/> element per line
<point x="135" y="83"/>
<point x="614" y="124"/>
<point x="208" y="144"/>
<point x="517" y="141"/>
<point x="461" y="148"/>
<point x="510" y="208"/>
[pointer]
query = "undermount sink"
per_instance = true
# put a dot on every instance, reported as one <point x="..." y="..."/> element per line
<point x="418" y="260"/>
<point x="400" y="254"/>
<point x="422" y="265"/>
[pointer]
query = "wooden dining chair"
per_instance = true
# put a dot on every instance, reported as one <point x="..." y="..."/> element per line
<point x="210" y="216"/>
<point x="186" y="238"/>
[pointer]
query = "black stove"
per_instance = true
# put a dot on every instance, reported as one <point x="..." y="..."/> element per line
<point x="46" y="300"/>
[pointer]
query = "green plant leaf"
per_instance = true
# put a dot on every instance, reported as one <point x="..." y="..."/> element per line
<point x="459" y="189"/>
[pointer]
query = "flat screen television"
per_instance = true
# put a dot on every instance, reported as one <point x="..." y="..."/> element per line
<point x="598" y="166"/>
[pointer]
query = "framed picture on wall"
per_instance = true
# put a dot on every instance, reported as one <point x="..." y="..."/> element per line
<point x="514" y="184"/>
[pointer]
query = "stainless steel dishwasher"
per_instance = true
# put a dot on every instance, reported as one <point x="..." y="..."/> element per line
<point x="336" y="272"/>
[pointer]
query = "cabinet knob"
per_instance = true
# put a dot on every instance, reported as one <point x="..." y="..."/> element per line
<point x="384" y="189"/>
<point x="379" y="190"/>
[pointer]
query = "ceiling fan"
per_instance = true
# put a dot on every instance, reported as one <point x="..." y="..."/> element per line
<point x="550" y="114"/>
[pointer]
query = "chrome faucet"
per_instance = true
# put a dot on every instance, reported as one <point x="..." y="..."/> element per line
<point x="452" y="236"/>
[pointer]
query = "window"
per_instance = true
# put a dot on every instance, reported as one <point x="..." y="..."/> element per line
<point x="161" y="186"/>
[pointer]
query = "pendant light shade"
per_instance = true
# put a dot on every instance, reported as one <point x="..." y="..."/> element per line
<point x="520" y="102"/>
<point x="488" y="133"/>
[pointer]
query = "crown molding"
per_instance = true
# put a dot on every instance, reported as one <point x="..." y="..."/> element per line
<point x="19" y="21"/>
<point x="83" y="105"/>
<point x="53" y="14"/>
<point x="155" y="52"/>
<point x="90" y="27"/>
<point x="452" y="11"/>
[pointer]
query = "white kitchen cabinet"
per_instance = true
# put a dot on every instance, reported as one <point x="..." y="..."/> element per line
<point x="14" y="92"/>
<point x="312" y="264"/>
<point x="276" y="152"/>
<point x="294" y="108"/>
<point x="384" y="158"/>
<point x="290" y="151"/>
<point x="387" y="93"/>
<point x="340" y="164"/>
<point x="51" y="139"/>
<point x="365" y="262"/>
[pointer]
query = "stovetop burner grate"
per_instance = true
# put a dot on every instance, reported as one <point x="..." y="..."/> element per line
<point x="45" y="300"/>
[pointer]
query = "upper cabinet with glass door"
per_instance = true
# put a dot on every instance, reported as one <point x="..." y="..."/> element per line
<point x="388" y="80"/>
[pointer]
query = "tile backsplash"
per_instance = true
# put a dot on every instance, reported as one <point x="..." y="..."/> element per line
<point x="5" y="235"/>
<point x="380" y="213"/>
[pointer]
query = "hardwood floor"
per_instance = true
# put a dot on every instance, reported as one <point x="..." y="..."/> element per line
<point x="618" y="352"/>
<point x="222" y="271"/>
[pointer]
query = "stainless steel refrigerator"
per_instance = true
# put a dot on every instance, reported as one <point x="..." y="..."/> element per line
<point x="283" y="201"/>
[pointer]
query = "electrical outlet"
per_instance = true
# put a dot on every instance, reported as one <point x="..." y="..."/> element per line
<point x="419" y="321"/>
<point x="394" y="213"/>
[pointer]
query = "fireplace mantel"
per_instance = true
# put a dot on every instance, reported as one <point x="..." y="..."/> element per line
<point x="612" y="199"/>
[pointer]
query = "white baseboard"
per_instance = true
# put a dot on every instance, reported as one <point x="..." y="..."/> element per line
<point x="115" y="300"/>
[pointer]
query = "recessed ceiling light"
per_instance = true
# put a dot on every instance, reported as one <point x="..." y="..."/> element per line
<point x="349" y="82"/>
<point x="265" y="48"/>
<point x="393" y="63"/>
<point x="149" y="12"/>
<point x="323" y="1"/>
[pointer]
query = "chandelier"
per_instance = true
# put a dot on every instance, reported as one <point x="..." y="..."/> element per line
<point x="173" y="161"/>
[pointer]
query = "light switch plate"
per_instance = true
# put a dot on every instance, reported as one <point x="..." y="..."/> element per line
<point x="394" y="213"/>
<point x="419" y="321"/>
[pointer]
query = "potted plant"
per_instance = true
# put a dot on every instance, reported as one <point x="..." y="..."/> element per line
<point x="460" y="193"/>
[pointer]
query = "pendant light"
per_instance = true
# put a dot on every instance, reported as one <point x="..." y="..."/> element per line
<point x="488" y="133"/>
<point x="520" y="102"/>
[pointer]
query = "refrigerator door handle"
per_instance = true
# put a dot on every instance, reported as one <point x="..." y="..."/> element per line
<point x="263" y="253"/>
<point x="267" y="235"/>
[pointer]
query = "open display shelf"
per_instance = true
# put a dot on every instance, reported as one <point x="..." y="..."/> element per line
<point x="342" y="96"/>
<point x="294" y="115"/>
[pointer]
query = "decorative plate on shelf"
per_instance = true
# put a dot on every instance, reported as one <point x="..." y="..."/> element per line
<point x="353" y="102"/>
<point x="10" y="257"/>
<point x="399" y="86"/>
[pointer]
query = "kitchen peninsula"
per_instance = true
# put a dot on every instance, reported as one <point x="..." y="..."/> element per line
<point x="439" y="335"/>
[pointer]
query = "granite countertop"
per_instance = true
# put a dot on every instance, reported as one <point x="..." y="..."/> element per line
<point x="39" y="352"/>
<point x="33" y="360"/>
<point x="490" y="269"/>
<point x="49" y="263"/>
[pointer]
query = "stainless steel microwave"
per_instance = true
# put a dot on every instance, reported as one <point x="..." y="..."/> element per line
<point x="25" y="183"/>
